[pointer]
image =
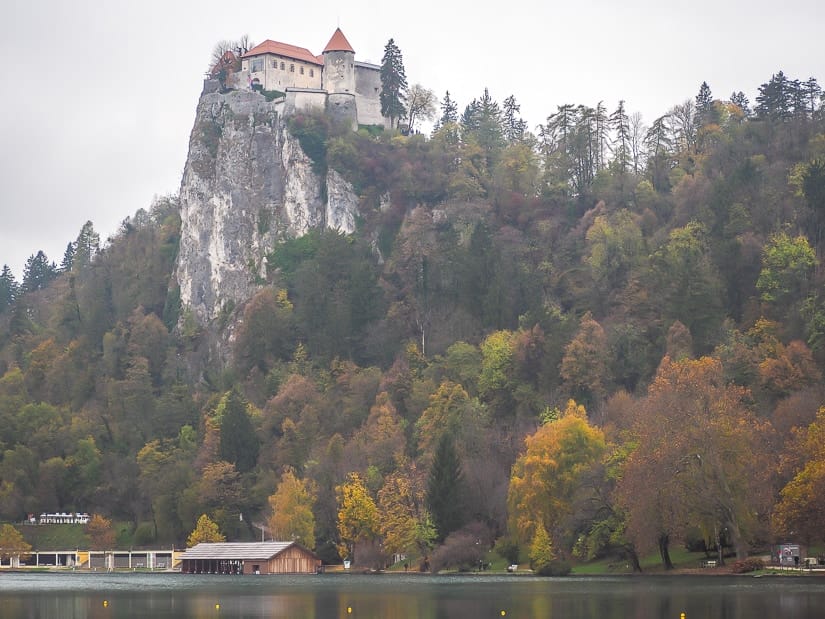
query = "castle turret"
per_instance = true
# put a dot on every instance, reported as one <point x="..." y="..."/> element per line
<point x="339" y="79"/>
<point x="339" y="65"/>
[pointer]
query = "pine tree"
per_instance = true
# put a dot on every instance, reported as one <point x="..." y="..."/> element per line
<point x="620" y="123"/>
<point x="449" y="111"/>
<point x="813" y="93"/>
<point x="739" y="99"/>
<point x="704" y="105"/>
<point x="445" y="488"/>
<point x="38" y="272"/>
<point x="9" y="289"/>
<point x="393" y="84"/>
<point x="68" y="259"/>
<point x="514" y="125"/>
<point x="774" y="100"/>
<point x="239" y="443"/>
<point x="86" y="246"/>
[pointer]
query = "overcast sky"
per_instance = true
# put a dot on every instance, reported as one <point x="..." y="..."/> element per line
<point x="98" y="96"/>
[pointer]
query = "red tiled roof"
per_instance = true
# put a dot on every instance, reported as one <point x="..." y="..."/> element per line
<point x="338" y="43"/>
<point x="284" y="49"/>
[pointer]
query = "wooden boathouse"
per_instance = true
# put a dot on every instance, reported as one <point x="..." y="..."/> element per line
<point x="249" y="558"/>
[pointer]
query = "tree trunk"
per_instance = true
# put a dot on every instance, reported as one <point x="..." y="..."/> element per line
<point x="664" y="541"/>
<point x="630" y="552"/>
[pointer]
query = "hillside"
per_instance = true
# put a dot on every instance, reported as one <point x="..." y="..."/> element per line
<point x="644" y="305"/>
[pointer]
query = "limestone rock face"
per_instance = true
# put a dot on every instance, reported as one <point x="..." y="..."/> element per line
<point x="246" y="186"/>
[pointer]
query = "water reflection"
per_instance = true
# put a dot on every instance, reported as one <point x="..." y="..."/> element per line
<point x="96" y="596"/>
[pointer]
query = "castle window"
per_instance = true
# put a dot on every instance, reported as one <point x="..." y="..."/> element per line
<point x="312" y="72"/>
<point x="282" y="66"/>
<point x="257" y="65"/>
<point x="292" y="68"/>
<point x="274" y="64"/>
<point x="302" y="70"/>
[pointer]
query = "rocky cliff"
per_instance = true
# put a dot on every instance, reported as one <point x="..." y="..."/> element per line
<point x="246" y="185"/>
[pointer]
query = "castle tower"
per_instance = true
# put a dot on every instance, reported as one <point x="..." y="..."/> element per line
<point x="339" y="65"/>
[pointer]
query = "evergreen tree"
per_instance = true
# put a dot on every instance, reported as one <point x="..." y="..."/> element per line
<point x="469" y="120"/>
<point x="87" y="245"/>
<point x="704" y="105"/>
<point x="393" y="84"/>
<point x="38" y="272"/>
<point x="68" y="259"/>
<point x="9" y="289"/>
<point x="488" y="131"/>
<point x="239" y="443"/>
<point x="514" y="125"/>
<point x="449" y="111"/>
<point x="739" y="99"/>
<point x="445" y="488"/>
<point x="774" y="100"/>
<point x="812" y="93"/>
<point x="620" y="123"/>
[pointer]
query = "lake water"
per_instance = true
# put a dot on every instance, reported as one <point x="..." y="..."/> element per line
<point x="101" y="596"/>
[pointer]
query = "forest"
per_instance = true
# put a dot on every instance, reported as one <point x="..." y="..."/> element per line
<point x="598" y="338"/>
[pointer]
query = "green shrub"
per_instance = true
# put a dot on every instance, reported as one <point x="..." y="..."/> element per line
<point x="554" y="568"/>
<point x="271" y="95"/>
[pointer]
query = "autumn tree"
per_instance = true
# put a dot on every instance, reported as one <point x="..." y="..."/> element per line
<point x="700" y="460"/>
<point x="583" y="367"/>
<point x="542" y="555"/>
<point x="13" y="547"/>
<point x="546" y="476"/>
<point x="800" y="510"/>
<point x="405" y="525"/>
<point x="358" y="517"/>
<point x="292" y="503"/>
<point x="381" y="441"/>
<point x="101" y="533"/>
<point x="205" y="531"/>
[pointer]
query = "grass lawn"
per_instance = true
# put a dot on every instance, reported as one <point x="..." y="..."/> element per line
<point x="681" y="558"/>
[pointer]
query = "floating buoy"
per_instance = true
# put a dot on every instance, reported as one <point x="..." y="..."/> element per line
<point x="682" y="616"/>
<point x="503" y="612"/>
<point x="217" y="606"/>
<point x="349" y="610"/>
<point x="105" y="603"/>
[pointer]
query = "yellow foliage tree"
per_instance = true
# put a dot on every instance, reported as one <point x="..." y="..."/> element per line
<point x="801" y="509"/>
<point x="546" y="476"/>
<point x="205" y="531"/>
<point x="405" y="525"/>
<point x="357" y="515"/>
<point x="292" y="517"/>
<point x="12" y="545"/>
<point x="542" y="554"/>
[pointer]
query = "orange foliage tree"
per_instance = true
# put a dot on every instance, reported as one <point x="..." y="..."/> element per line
<point x="700" y="461"/>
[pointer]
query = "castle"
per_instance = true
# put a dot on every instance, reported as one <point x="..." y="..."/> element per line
<point x="347" y="89"/>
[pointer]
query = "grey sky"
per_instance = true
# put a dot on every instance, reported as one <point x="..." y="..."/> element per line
<point x="98" y="96"/>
